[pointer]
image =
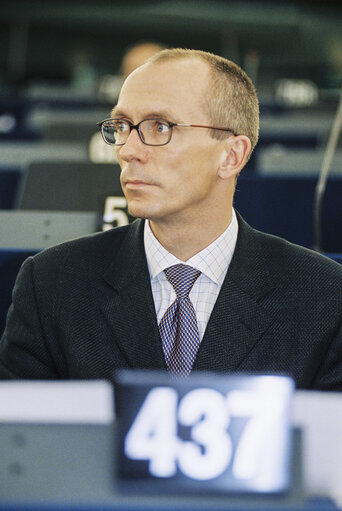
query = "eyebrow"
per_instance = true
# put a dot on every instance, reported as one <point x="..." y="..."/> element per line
<point x="115" y="112"/>
<point x="158" y="114"/>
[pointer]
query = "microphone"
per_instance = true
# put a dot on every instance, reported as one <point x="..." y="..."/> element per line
<point x="323" y="175"/>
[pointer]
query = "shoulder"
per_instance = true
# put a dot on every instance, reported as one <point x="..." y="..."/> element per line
<point x="96" y="250"/>
<point x="288" y="262"/>
<point x="281" y="252"/>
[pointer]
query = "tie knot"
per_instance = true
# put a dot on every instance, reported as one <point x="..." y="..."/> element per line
<point x="182" y="278"/>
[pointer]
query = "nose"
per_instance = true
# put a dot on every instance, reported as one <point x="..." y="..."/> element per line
<point x="133" y="149"/>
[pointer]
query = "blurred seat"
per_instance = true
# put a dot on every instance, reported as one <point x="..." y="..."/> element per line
<point x="69" y="131"/>
<point x="273" y="153"/>
<point x="13" y="120"/>
<point x="10" y="179"/>
<point x="279" y="160"/>
<point x="293" y="139"/>
<point x="68" y="186"/>
<point x="19" y="153"/>
<point x="40" y="129"/>
<point x="17" y="134"/>
<point x="284" y="206"/>
<point x="35" y="230"/>
<point x="300" y="121"/>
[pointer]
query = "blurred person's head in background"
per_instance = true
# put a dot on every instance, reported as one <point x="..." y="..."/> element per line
<point x="137" y="55"/>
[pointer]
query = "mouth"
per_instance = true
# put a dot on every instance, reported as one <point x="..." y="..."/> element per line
<point x="136" y="183"/>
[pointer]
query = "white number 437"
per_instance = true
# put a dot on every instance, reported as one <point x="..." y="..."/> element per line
<point x="153" y="435"/>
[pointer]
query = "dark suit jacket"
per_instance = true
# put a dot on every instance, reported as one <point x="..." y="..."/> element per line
<point x="85" y="307"/>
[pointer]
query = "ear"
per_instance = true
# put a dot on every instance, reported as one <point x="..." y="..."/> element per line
<point x="234" y="157"/>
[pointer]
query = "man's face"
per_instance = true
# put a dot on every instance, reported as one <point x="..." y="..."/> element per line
<point x="175" y="182"/>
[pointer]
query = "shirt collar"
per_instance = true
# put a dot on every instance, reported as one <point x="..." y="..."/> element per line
<point x="212" y="261"/>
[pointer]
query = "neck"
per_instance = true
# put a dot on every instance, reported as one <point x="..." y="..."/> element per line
<point x="185" y="239"/>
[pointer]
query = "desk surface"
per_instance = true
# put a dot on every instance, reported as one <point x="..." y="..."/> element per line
<point x="49" y="467"/>
<point x="42" y="229"/>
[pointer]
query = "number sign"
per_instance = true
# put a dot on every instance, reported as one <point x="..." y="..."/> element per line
<point x="207" y="433"/>
<point x="113" y="212"/>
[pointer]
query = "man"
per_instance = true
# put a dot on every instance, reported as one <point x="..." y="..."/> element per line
<point x="184" y="126"/>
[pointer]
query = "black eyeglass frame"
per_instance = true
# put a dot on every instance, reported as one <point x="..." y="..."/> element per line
<point x="170" y="124"/>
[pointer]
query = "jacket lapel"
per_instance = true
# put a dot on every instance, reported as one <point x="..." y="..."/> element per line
<point x="131" y="312"/>
<point x="238" y="320"/>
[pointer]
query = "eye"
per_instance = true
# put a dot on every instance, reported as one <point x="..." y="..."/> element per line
<point x="121" y="126"/>
<point x="161" y="127"/>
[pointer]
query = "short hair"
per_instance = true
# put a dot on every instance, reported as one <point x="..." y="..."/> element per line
<point x="231" y="100"/>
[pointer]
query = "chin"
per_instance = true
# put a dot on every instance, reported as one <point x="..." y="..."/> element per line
<point x="138" y="211"/>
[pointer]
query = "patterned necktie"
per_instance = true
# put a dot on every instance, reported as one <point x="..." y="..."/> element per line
<point x="178" y="327"/>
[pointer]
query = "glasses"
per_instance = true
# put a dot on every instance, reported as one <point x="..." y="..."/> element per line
<point x="154" y="132"/>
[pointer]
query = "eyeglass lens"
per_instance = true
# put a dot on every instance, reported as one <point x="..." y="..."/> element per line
<point x="151" y="131"/>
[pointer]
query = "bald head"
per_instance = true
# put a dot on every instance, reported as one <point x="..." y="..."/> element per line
<point x="230" y="99"/>
<point x="166" y="90"/>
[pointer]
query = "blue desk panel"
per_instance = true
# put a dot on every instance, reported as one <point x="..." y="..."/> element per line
<point x="311" y="505"/>
<point x="9" y="183"/>
<point x="335" y="257"/>
<point x="283" y="206"/>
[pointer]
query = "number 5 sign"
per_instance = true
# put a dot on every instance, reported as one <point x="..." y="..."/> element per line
<point x="208" y="433"/>
<point x="112" y="212"/>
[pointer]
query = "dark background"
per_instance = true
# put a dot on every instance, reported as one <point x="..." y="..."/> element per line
<point x="40" y="40"/>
